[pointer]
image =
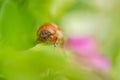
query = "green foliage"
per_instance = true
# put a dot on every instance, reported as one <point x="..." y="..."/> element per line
<point x="22" y="59"/>
<point x="13" y="25"/>
<point x="38" y="63"/>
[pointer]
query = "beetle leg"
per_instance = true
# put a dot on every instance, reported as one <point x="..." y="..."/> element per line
<point x="56" y="43"/>
<point x="38" y="40"/>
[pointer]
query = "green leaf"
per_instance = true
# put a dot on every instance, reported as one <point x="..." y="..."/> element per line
<point x="39" y="63"/>
<point x="17" y="26"/>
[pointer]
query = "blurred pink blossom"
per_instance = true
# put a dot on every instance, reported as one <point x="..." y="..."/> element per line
<point x="85" y="50"/>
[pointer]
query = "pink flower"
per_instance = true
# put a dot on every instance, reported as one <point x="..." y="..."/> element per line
<point x="85" y="50"/>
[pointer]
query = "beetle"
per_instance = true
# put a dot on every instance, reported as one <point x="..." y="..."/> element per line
<point x="50" y="32"/>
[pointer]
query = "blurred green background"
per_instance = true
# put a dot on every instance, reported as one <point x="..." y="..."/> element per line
<point x="21" y="59"/>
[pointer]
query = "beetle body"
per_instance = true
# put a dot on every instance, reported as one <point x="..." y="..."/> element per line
<point x="50" y="32"/>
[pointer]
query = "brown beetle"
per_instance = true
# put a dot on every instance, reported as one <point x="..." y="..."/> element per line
<point x="50" y="32"/>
